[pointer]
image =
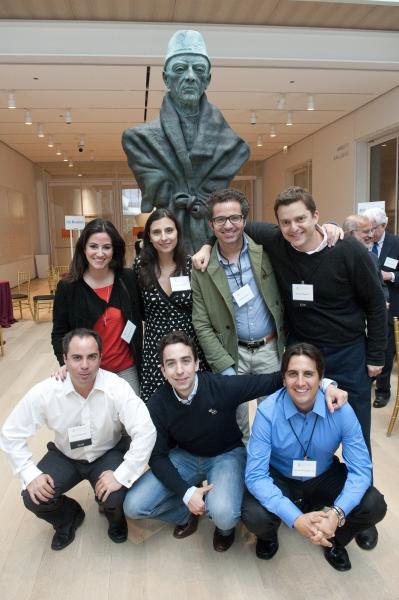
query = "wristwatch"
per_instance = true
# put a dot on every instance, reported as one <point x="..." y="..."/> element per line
<point x="340" y="515"/>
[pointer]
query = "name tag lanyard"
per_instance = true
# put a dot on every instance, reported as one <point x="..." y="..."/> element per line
<point x="297" y="268"/>
<point x="305" y="450"/>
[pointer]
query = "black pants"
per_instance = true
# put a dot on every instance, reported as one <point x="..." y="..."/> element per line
<point x="66" y="473"/>
<point x="314" y="494"/>
<point x="383" y="382"/>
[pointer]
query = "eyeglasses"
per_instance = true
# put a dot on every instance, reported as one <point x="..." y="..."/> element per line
<point x="234" y="220"/>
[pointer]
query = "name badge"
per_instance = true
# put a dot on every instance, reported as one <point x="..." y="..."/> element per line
<point x="304" y="468"/>
<point x="180" y="284"/>
<point x="243" y="295"/>
<point x="128" y="331"/>
<point x="391" y="263"/>
<point x="79" y="436"/>
<point x="302" y="292"/>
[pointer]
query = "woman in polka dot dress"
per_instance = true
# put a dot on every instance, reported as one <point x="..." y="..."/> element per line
<point x="163" y="271"/>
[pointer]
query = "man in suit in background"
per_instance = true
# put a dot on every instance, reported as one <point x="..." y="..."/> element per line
<point x="386" y="247"/>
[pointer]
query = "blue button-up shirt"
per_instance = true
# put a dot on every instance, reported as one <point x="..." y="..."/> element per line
<point x="253" y="320"/>
<point x="273" y="443"/>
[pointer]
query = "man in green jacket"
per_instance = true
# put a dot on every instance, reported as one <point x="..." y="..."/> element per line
<point x="237" y="310"/>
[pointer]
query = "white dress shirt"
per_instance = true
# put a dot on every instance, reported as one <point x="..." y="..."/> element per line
<point x="58" y="406"/>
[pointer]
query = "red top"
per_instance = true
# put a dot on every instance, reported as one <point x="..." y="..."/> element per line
<point x="116" y="354"/>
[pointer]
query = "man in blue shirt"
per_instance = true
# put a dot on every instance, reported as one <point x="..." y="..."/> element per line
<point x="292" y="472"/>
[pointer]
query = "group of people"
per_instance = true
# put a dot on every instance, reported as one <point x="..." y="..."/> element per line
<point x="159" y="361"/>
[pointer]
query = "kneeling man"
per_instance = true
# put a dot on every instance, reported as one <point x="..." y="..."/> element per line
<point x="197" y="438"/>
<point x="292" y="472"/>
<point x="86" y="413"/>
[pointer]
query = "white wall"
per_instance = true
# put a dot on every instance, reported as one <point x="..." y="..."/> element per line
<point x="339" y="159"/>
<point x="17" y="180"/>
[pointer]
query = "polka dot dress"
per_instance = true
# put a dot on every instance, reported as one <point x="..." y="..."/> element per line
<point x="163" y="314"/>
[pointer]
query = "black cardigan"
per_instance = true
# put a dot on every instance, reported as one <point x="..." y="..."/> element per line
<point x="77" y="305"/>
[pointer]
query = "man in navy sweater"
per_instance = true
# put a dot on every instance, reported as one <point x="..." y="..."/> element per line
<point x="197" y="438"/>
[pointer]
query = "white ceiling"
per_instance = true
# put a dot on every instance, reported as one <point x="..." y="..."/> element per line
<point x="107" y="93"/>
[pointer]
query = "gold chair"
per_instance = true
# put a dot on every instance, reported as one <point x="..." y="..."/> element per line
<point x="22" y="296"/>
<point x="46" y="300"/>
<point x="396" y="407"/>
<point x="61" y="270"/>
<point x="2" y="341"/>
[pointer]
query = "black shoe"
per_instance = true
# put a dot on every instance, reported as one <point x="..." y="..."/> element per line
<point x="266" y="549"/>
<point x="368" y="538"/>
<point x="182" y="531"/>
<point x="338" y="558"/>
<point x="221" y="543"/>
<point x="381" y="400"/>
<point x="117" y="532"/>
<point x="62" y="539"/>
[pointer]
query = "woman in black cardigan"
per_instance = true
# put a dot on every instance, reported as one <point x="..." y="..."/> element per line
<point x="99" y="293"/>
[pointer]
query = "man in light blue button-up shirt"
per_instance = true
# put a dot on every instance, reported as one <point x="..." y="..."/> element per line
<point x="292" y="472"/>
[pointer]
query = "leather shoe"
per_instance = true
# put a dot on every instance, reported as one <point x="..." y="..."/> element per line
<point x="62" y="539"/>
<point x="338" y="558"/>
<point x="183" y="531"/>
<point x="117" y="532"/>
<point x="380" y="401"/>
<point x="368" y="538"/>
<point x="221" y="543"/>
<point x="266" y="549"/>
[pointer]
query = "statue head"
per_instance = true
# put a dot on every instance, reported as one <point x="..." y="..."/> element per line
<point x="187" y="70"/>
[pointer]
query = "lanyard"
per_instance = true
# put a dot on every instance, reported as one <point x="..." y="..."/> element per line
<point x="305" y="451"/>
<point x="239" y="269"/>
<point x="296" y="267"/>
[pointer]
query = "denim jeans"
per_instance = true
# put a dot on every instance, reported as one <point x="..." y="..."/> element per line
<point x="148" y="498"/>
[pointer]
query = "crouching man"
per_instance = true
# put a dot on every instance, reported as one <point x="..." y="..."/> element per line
<point x="197" y="438"/>
<point x="86" y="413"/>
<point x="292" y="473"/>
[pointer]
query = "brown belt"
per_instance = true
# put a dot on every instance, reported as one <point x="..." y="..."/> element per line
<point x="257" y="343"/>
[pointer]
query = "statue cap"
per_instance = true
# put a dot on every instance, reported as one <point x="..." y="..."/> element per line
<point x="186" y="41"/>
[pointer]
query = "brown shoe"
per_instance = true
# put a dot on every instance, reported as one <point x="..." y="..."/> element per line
<point x="221" y="543"/>
<point x="183" y="531"/>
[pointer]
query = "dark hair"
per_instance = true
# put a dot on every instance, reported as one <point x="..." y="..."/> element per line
<point x="176" y="337"/>
<point x="81" y="332"/>
<point x="150" y="270"/>
<point x="303" y="349"/>
<point x="79" y="262"/>
<point x="226" y="196"/>
<point x="294" y="194"/>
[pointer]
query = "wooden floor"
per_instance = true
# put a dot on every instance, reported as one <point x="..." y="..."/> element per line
<point x="152" y="565"/>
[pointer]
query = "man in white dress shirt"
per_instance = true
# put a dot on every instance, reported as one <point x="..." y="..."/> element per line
<point x="86" y="413"/>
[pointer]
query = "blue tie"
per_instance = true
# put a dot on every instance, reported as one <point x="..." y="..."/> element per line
<point x="375" y="248"/>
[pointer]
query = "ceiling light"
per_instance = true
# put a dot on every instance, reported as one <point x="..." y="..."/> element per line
<point x="12" y="103"/>
<point x="65" y="159"/>
<point x="58" y="150"/>
<point x="289" y="119"/>
<point x="70" y="164"/>
<point x="40" y="132"/>
<point x="50" y="141"/>
<point x="28" y="118"/>
<point x="273" y="131"/>
<point x="79" y="174"/>
<point x="252" y="119"/>
<point x="91" y="155"/>
<point x="310" y="105"/>
<point x="68" y="116"/>
<point x="285" y="149"/>
<point x="259" y="143"/>
<point x="281" y="102"/>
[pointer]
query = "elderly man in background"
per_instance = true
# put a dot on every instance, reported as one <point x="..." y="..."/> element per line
<point x="179" y="158"/>
<point x="386" y="249"/>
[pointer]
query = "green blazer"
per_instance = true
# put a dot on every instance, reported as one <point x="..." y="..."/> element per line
<point x="213" y="310"/>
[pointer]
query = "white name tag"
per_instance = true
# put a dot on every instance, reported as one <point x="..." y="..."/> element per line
<point x="391" y="263"/>
<point x="304" y="468"/>
<point x="79" y="436"/>
<point x="302" y="291"/>
<point x="128" y="331"/>
<point x="243" y="295"/>
<point x="179" y="284"/>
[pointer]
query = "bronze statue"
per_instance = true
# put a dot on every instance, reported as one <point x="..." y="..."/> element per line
<point x="189" y="151"/>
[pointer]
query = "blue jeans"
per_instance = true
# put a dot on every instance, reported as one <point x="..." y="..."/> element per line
<point x="148" y="498"/>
